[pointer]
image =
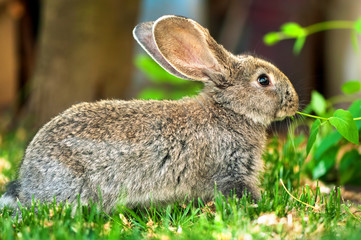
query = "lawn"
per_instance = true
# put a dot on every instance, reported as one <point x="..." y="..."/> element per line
<point x="316" y="210"/>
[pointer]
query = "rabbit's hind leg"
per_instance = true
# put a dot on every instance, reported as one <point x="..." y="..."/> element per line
<point x="48" y="182"/>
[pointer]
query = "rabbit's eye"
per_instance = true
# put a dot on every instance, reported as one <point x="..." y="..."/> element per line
<point x="263" y="80"/>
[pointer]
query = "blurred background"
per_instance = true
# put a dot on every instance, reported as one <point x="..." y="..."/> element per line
<point x="57" y="53"/>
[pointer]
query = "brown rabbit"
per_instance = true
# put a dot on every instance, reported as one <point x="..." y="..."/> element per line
<point x="135" y="152"/>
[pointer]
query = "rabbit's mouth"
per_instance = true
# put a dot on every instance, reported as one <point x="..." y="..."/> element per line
<point x="280" y="118"/>
<point x="283" y="113"/>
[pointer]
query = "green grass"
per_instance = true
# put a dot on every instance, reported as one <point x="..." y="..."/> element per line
<point x="276" y="215"/>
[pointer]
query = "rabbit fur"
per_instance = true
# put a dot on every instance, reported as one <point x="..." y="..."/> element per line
<point x="142" y="151"/>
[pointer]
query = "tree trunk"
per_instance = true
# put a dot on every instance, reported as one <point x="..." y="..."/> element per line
<point x="84" y="54"/>
<point x="8" y="57"/>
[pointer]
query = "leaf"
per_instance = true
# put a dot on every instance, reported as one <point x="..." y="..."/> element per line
<point x="343" y="121"/>
<point x="351" y="87"/>
<point x="350" y="162"/>
<point x="325" y="163"/>
<point x="314" y="131"/>
<point x="318" y="103"/>
<point x="271" y="38"/>
<point x="358" y="25"/>
<point x="327" y="142"/>
<point x="355" y="110"/>
<point x="293" y="30"/>
<point x="300" y="41"/>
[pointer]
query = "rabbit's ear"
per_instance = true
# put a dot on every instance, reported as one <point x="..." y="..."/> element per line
<point x="143" y="33"/>
<point x="188" y="47"/>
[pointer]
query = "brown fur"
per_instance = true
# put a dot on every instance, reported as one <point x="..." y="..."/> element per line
<point x="138" y="152"/>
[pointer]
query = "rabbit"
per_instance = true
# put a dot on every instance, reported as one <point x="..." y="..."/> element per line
<point x="143" y="152"/>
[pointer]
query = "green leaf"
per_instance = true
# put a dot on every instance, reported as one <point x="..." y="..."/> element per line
<point x="327" y="142"/>
<point x="318" y="103"/>
<point x="271" y="38"/>
<point x="343" y="121"/>
<point x="351" y="87"/>
<point x="300" y="41"/>
<point x="355" y="110"/>
<point x="358" y="25"/>
<point x="325" y="163"/>
<point x="350" y="162"/>
<point x="293" y="30"/>
<point x="314" y="131"/>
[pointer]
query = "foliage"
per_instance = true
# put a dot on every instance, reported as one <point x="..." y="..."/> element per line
<point x="293" y="30"/>
<point x="334" y="158"/>
<point x="164" y="84"/>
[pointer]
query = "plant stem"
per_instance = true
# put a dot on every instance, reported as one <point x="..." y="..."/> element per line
<point x="312" y="116"/>
<point x="319" y="27"/>
<point x="322" y="118"/>
<point x="308" y="205"/>
<point x="329" y="25"/>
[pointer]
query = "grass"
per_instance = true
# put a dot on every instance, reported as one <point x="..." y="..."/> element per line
<point x="277" y="215"/>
